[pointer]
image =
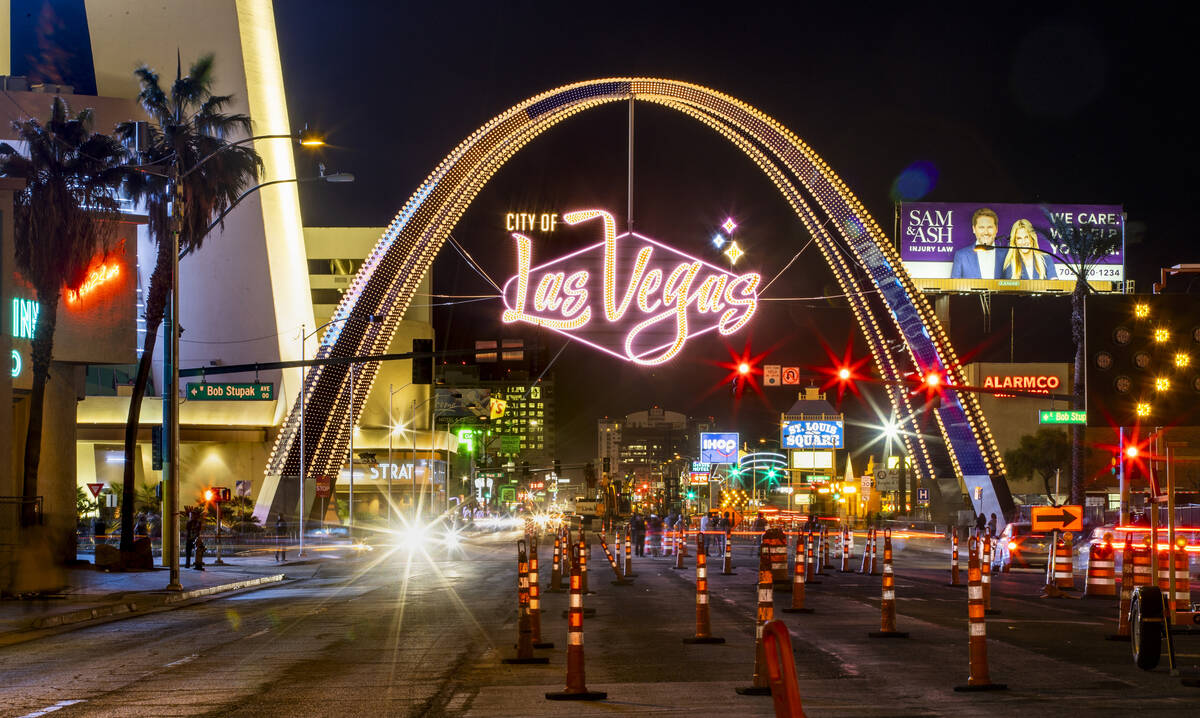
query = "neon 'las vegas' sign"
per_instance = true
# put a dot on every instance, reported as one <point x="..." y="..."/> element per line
<point x="628" y="295"/>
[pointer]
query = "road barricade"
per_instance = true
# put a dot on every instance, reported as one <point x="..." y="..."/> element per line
<point x="979" y="679"/>
<point x="1101" y="577"/>
<point x="1127" y="581"/>
<point x="781" y="670"/>
<point x="535" y="596"/>
<point x="799" y="570"/>
<point x="761" y="684"/>
<point x="703" y="619"/>
<point x="576" y="689"/>
<point x="1183" y="589"/>
<point x="1064" y="568"/>
<point x="620" y="580"/>
<point x="887" y="605"/>
<point x="524" y="621"/>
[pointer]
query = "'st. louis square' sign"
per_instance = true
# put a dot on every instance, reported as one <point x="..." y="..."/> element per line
<point x="628" y="295"/>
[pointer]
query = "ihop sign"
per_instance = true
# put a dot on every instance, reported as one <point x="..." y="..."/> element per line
<point x="812" y="434"/>
<point x="718" y="448"/>
<point x="628" y="295"/>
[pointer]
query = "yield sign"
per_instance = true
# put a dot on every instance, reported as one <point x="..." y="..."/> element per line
<point x="1062" y="518"/>
<point x="95" y="489"/>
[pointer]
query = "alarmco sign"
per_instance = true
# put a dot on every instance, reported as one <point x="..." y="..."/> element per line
<point x="810" y="434"/>
<point x="719" y="448"/>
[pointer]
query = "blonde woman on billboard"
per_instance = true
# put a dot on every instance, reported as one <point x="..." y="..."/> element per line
<point x="1022" y="261"/>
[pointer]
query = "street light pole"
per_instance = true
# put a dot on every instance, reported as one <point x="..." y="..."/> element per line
<point x="303" y="466"/>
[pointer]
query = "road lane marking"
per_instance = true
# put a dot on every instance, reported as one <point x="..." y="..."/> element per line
<point x="181" y="661"/>
<point x="256" y="635"/>
<point x="50" y="709"/>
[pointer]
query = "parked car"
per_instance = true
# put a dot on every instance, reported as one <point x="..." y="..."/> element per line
<point x="1018" y="546"/>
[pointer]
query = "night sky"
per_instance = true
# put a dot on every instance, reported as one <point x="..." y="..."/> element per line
<point x="1065" y="103"/>
<point x="1072" y="105"/>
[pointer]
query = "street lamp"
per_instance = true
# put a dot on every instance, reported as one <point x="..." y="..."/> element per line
<point x="391" y="430"/>
<point x="171" y="349"/>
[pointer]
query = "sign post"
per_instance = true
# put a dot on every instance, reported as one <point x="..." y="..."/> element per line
<point x="95" y="489"/>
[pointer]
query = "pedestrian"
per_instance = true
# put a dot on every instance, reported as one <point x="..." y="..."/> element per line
<point x="656" y="534"/>
<point x="992" y="525"/>
<point x="191" y="533"/>
<point x="637" y="527"/>
<point x="704" y="532"/>
<point x="980" y="524"/>
<point x="139" y="527"/>
<point x="201" y="549"/>
<point x="280" y="537"/>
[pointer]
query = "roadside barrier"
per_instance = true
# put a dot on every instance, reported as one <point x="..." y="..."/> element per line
<point x="887" y="606"/>
<point x="1127" y="582"/>
<point x="1141" y="564"/>
<point x="556" y="565"/>
<point x="977" y="627"/>
<point x="845" y="568"/>
<point x="620" y="580"/>
<point x="576" y="689"/>
<point x="1101" y="571"/>
<point x="535" y="596"/>
<point x="986" y="572"/>
<point x="761" y="684"/>
<point x="629" y="551"/>
<point x="1183" y="590"/>
<point x="954" y="581"/>
<point x="799" y="569"/>
<point x="703" y="620"/>
<point x="524" y="620"/>
<point x="1064" y="570"/>
<point x="727" y="563"/>
<point x="811" y="560"/>
<point x="781" y="670"/>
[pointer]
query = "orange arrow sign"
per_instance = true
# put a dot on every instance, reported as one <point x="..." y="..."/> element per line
<point x="1062" y="518"/>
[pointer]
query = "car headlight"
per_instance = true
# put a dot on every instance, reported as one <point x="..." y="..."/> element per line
<point x="1012" y="545"/>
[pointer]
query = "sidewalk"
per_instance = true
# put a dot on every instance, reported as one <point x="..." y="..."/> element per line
<point x="92" y="596"/>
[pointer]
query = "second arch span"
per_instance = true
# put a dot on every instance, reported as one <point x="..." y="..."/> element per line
<point x="885" y="302"/>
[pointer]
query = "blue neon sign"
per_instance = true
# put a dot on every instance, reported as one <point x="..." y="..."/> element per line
<point x="812" y="434"/>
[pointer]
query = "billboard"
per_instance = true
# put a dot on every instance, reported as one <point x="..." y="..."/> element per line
<point x="812" y="434"/>
<point x="719" y="447"/>
<point x="994" y="246"/>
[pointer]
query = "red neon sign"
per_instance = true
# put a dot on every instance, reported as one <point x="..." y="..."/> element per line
<point x="642" y="310"/>
<point x="101" y="275"/>
<point x="1039" y="383"/>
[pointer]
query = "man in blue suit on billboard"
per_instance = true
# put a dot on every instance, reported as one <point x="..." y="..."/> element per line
<point x="980" y="260"/>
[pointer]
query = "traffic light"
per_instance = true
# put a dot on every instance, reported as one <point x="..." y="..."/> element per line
<point x="525" y="470"/>
<point x="1143" y="359"/>
<point x="607" y="465"/>
<point x="557" y="468"/>
<point x="156" y="448"/>
<point x="422" y="367"/>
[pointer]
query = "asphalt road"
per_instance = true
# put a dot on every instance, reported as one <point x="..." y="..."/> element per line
<point x="387" y="635"/>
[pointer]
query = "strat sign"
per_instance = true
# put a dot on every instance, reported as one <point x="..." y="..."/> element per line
<point x="628" y="295"/>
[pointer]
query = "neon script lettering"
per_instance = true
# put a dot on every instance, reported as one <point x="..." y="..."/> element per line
<point x="98" y="276"/>
<point x="655" y="301"/>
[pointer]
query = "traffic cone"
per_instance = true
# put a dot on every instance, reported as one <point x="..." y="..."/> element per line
<point x="727" y="564"/>
<point x="825" y="549"/>
<point x="629" y="552"/>
<point x="556" y="565"/>
<point x="954" y="580"/>
<point x="781" y="670"/>
<point x="761" y="684"/>
<point x="621" y="580"/>
<point x="619" y="540"/>
<point x="799" y="569"/>
<point x="887" y="605"/>
<point x="1127" y="581"/>
<point x="535" y="597"/>
<point x="845" y="568"/>
<point x="986" y="574"/>
<point x="524" y="620"/>
<point x="1101" y="577"/>
<point x="977" y="627"/>
<point x="865" y="568"/>
<point x="681" y="553"/>
<point x="1064" y="567"/>
<point x="810" y="560"/>
<point x="703" y="622"/>
<point x="646" y="550"/>
<point x="576" y="689"/>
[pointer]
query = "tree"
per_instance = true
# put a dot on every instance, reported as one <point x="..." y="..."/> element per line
<point x="186" y="127"/>
<point x="63" y="217"/>
<point x="1084" y="246"/>
<point x="1043" y="454"/>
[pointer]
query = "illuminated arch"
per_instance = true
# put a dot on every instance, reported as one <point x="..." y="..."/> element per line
<point x="884" y="300"/>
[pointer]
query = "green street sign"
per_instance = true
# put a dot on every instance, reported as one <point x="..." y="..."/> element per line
<point x="1062" y="417"/>
<point x="218" y="391"/>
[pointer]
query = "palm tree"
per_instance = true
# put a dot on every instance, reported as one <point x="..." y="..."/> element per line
<point x="66" y="213"/>
<point x="1085" y="245"/>
<point x="185" y="127"/>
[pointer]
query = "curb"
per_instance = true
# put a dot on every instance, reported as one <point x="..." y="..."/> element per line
<point x="117" y="609"/>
